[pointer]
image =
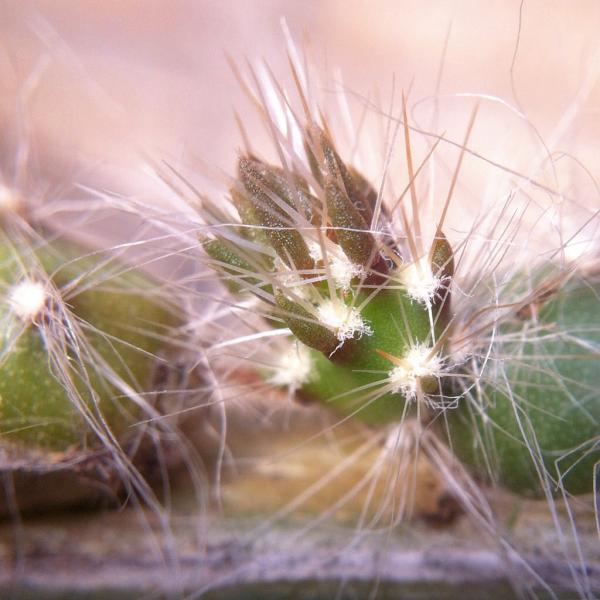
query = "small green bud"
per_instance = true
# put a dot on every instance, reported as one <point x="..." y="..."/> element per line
<point x="253" y="231"/>
<point x="357" y="188"/>
<point x="313" y="163"/>
<point x="335" y="168"/>
<point x="279" y="225"/>
<point x="238" y="279"/>
<point x="350" y="228"/>
<point x="305" y="327"/>
<point x="291" y="188"/>
<point x="365" y="197"/>
<point x="441" y="257"/>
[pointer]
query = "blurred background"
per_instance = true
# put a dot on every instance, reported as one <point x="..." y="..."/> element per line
<point x="99" y="82"/>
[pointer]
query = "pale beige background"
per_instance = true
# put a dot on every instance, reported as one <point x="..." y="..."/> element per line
<point x="110" y="80"/>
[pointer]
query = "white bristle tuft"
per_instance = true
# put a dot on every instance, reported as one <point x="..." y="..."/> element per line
<point x="419" y="281"/>
<point x="27" y="299"/>
<point x="345" y="320"/>
<point x="293" y="368"/>
<point x="417" y="363"/>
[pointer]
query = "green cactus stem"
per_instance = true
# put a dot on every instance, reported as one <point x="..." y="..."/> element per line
<point x="365" y="320"/>
<point x="545" y="421"/>
<point x="63" y="358"/>
<point x="353" y="384"/>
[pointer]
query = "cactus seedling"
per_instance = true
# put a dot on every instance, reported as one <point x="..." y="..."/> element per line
<point x="367" y="319"/>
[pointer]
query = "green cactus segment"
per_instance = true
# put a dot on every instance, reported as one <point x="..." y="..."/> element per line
<point x="397" y="325"/>
<point x="335" y="169"/>
<point x="122" y="327"/>
<point x="369" y="336"/>
<point x="350" y="228"/>
<point x="279" y="226"/>
<point x="304" y="326"/>
<point x="553" y="409"/>
<point x="234" y="266"/>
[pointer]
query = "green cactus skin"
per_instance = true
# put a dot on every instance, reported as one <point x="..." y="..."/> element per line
<point x="555" y="383"/>
<point x="394" y="320"/>
<point x="35" y="409"/>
